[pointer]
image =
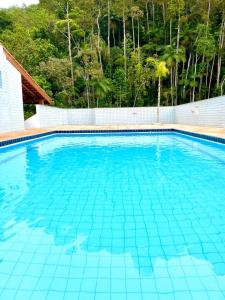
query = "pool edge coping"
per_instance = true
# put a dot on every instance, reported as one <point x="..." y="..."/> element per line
<point x="14" y="141"/>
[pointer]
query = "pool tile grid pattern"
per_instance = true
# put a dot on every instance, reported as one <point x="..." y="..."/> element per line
<point x="124" y="249"/>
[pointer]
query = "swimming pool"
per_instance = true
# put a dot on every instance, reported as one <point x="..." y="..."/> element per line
<point x="112" y="216"/>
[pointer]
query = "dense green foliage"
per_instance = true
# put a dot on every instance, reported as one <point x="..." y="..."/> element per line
<point x="89" y="53"/>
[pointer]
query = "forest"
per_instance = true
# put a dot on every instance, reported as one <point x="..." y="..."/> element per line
<point x="118" y="53"/>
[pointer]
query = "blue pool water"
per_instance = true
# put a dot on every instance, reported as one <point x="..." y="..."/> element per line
<point x="133" y="216"/>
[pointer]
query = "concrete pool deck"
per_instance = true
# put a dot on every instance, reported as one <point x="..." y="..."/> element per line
<point x="211" y="131"/>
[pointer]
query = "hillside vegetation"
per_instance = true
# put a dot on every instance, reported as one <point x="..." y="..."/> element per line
<point x="114" y="53"/>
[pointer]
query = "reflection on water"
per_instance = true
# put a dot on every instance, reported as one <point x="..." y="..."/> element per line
<point x="107" y="272"/>
<point x="142" y="215"/>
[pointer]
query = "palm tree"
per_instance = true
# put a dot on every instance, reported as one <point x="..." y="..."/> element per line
<point x="172" y="56"/>
<point x="101" y="87"/>
<point x="160" y="71"/>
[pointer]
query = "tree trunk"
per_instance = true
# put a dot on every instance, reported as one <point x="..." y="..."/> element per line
<point x="221" y="43"/>
<point x="124" y="44"/>
<point x="137" y="93"/>
<point x="109" y="28"/>
<point x="159" y="98"/>
<point x="164" y="14"/>
<point x="177" y="64"/>
<point x="195" y="72"/>
<point x="170" y="32"/>
<point x="114" y="38"/>
<point x="207" y="73"/>
<point x="153" y="13"/>
<point x="221" y="86"/>
<point x="203" y="59"/>
<point x="99" y="35"/>
<point x="164" y="22"/>
<point x="139" y="50"/>
<point x="87" y="91"/>
<point x="147" y="14"/>
<point x="69" y="46"/>
<point x="211" y="75"/>
<point x="186" y="77"/>
<point x="171" y="85"/>
<point x="218" y="70"/>
<point x="209" y="10"/>
<point x="201" y="78"/>
<point x="133" y="33"/>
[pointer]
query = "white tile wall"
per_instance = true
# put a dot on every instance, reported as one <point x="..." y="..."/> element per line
<point x="52" y="116"/>
<point x="11" y="99"/>
<point x="139" y="115"/>
<point x="209" y="112"/>
<point x="204" y="113"/>
<point x="81" y="116"/>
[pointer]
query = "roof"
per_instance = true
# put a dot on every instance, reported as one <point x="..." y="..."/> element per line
<point x="32" y="92"/>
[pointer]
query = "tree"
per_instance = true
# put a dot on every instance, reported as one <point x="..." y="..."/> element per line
<point x="137" y="13"/>
<point x="172" y="56"/>
<point x="57" y="73"/>
<point x="205" y="47"/>
<point x="29" y="51"/>
<point x="101" y="87"/>
<point x="119" y="88"/>
<point x="67" y="27"/>
<point x="160" y="72"/>
<point x="105" y="40"/>
<point x="5" y="23"/>
<point x="122" y="8"/>
<point x="176" y="8"/>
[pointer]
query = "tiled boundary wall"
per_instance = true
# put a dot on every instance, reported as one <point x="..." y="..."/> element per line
<point x="51" y="116"/>
<point x="207" y="112"/>
<point x="11" y="99"/>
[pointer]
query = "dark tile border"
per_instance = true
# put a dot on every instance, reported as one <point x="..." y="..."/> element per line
<point x="201" y="136"/>
<point x="31" y="137"/>
<point x="24" y="138"/>
<point x="113" y="130"/>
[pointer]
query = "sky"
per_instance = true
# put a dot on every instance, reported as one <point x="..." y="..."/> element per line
<point x="8" y="3"/>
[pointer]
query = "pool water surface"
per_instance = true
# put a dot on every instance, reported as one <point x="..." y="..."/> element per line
<point x="112" y="216"/>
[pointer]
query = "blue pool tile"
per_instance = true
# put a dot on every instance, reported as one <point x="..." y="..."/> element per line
<point x="51" y="295"/>
<point x="8" y="294"/>
<point x="74" y="285"/>
<point x="112" y="216"/>
<point x="59" y="284"/>
<point x="184" y="295"/>
<point x="104" y="285"/>
<point x="107" y="296"/>
<point x="43" y="283"/>
<point x="23" y="295"/>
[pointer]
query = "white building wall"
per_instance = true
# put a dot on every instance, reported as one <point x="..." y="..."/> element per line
<point x="11" y="97"/>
